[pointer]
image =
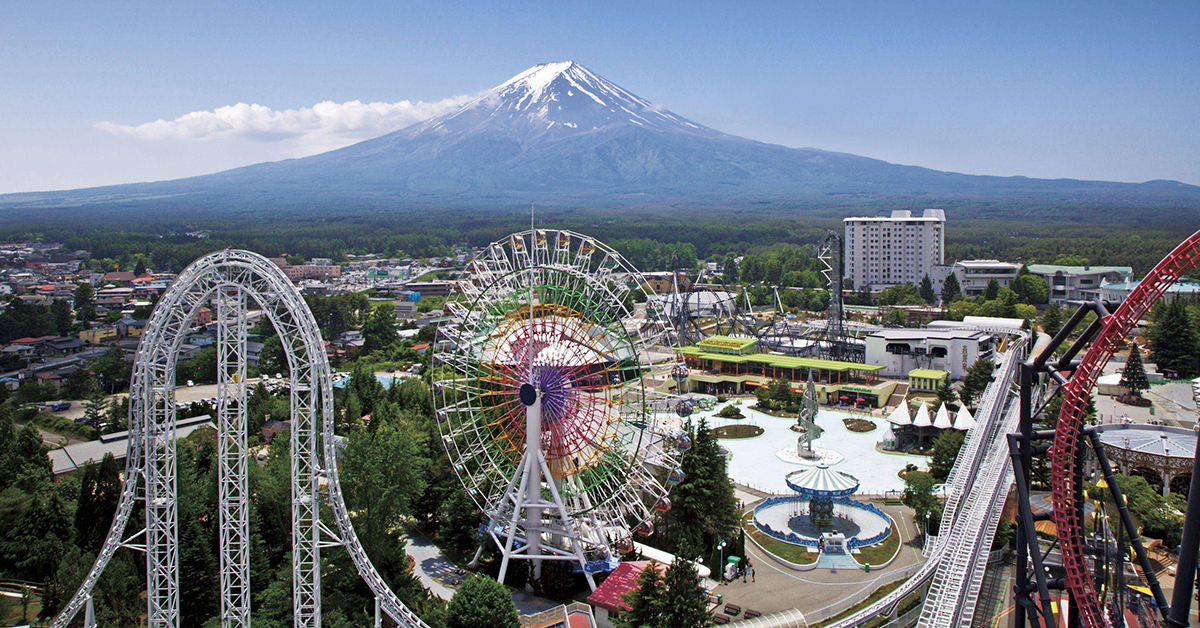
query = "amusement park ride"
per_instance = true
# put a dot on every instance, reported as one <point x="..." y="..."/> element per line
<point x="547" y="393"/>
<point x="545" y="400"/>
<point x="701" y="312"/>
<point x="1091" y="602"/>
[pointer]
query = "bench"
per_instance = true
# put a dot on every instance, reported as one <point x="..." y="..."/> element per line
<point x="720" y="619"/>
<point x="751" y="613"/>
<point x="732" y="609"/>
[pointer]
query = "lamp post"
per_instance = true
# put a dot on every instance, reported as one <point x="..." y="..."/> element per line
<point x="721" y="560"/>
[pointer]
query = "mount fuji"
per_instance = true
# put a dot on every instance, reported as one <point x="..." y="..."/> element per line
<point x="559" y="134"/>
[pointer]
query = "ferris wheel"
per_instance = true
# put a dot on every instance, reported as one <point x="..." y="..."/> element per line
<point x="545" y="394"/>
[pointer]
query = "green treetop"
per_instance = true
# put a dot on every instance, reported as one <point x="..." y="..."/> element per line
<point x="481" y="601"/>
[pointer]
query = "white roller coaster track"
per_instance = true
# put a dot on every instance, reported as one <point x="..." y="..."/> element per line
<point x="234" y="279"/>
<point x="976" y="487"/>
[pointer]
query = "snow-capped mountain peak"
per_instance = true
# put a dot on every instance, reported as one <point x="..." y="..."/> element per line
<point x="562" y="97"/>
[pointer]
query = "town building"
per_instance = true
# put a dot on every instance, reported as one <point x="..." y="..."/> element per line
<point x="898" y="352"/>
<point x="974" y="275"/>
<point x="1116" y="291"/>
<point x="884" y="251"/>
<point x="664" y="282"/>
<point x="1077" y="283"/>
<point x="431" y="288"/>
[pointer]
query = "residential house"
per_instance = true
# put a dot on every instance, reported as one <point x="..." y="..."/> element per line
<point x="99" y="335"/>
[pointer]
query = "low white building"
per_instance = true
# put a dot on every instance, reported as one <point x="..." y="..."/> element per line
<point x="900" y="351"/>
<point x="1077" y="283"/>
<point x="974" y="274"/>
<point x="1185" y="289"/>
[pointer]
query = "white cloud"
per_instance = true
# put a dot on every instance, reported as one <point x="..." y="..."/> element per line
<point x="324" y="126"/>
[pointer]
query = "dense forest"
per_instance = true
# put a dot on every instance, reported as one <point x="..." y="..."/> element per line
<point x="648" y="238"/>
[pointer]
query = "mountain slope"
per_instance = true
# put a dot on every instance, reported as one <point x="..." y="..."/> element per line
<point x="560" y="134"/>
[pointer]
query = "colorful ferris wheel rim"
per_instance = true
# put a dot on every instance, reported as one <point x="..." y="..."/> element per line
<point x="558" y="310"/>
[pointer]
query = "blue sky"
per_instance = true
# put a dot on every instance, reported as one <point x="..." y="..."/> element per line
<point x="1096" y="90"/>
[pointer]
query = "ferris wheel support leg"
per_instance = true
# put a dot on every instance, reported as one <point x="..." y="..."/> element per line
<point x="572" y="535"/>
<point x="512" y="527"/>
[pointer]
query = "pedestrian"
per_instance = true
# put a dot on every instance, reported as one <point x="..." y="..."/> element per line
<point x="744" y="576"/>
<point x="752" y="575"/>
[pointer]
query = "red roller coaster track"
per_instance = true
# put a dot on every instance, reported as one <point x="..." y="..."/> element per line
<point x="1076" y="393"/>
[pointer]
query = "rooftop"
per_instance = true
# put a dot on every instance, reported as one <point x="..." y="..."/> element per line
<point x="903" y="214"/>
<point x="611" y="593"/>
<point x="928" y="373"/>
<point x="930" y="333"/>
<point x="726" y="342"/>
<point x="1050" y="269"/>
<point x="72" y="457"/>
<point x="1155" y="440"/>
<point x="781" y="361"/>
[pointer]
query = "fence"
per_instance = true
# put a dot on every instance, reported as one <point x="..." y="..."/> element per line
<point x="849" y="602"/>
<point x="795" y="539"/>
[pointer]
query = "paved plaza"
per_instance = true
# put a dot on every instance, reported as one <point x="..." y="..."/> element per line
<point x="755" y="463"/>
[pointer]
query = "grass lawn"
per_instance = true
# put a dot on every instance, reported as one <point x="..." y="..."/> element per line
<point x="792" y="553"/>
<point x="736" y="431"/>
<point x="65" y="427"/>
<point x="869" y="600"/>
<point x="879" y="554"/>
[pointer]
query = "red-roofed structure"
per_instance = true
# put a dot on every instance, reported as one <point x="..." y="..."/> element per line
<point x="609" y="597"/>
<point x="33" y="341"/>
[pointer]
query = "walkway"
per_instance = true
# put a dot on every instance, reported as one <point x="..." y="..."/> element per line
<point x="429" y="563"/>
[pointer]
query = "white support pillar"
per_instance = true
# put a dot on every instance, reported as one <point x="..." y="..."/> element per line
<point x="232" y="456"/>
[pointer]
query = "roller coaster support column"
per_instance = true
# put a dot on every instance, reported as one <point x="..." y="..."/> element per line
<point x="1033" y="603"/>
<point x="1189" y="549"/>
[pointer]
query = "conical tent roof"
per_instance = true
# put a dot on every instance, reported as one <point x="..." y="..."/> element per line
<point x="900" y="415"/>
<point x="964" y="421"/>
<point x="922" y="418"/>
<point x="942" y="420"/>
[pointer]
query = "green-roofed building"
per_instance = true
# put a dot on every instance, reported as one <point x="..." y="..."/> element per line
<point x="728" y="365"/>
<point x="926" y="380"/>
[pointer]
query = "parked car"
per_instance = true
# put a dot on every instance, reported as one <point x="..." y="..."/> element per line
<point x="60" y="406"/>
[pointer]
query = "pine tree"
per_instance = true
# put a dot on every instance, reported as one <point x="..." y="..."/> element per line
<point x="684" y="604"/>
<point x="1133" y="377"/>
<point x="945" y="394"/>
<point x="1052" y="319"/>
<point x="64" y="318"/>
<point x="978" y="376"/>
<point x="1173" y="339"/>
<point x="926" y="290"/>
<point x="951" y="290"/>
<point x="85" y="301"/>
<point x="645" y="602"/>
<point x="992" y="290"/>
<point x="944" y="453"/>
<point x="703" y="506"/>
<point x="379" y="330"/>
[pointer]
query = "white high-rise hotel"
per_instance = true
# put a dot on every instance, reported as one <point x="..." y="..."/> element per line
<point x="901" y="248"/>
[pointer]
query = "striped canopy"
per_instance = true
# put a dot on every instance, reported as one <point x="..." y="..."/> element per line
<point x="922" y="418"/>
<point x="821" y="481"/>
<point x="942" y="420"/>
